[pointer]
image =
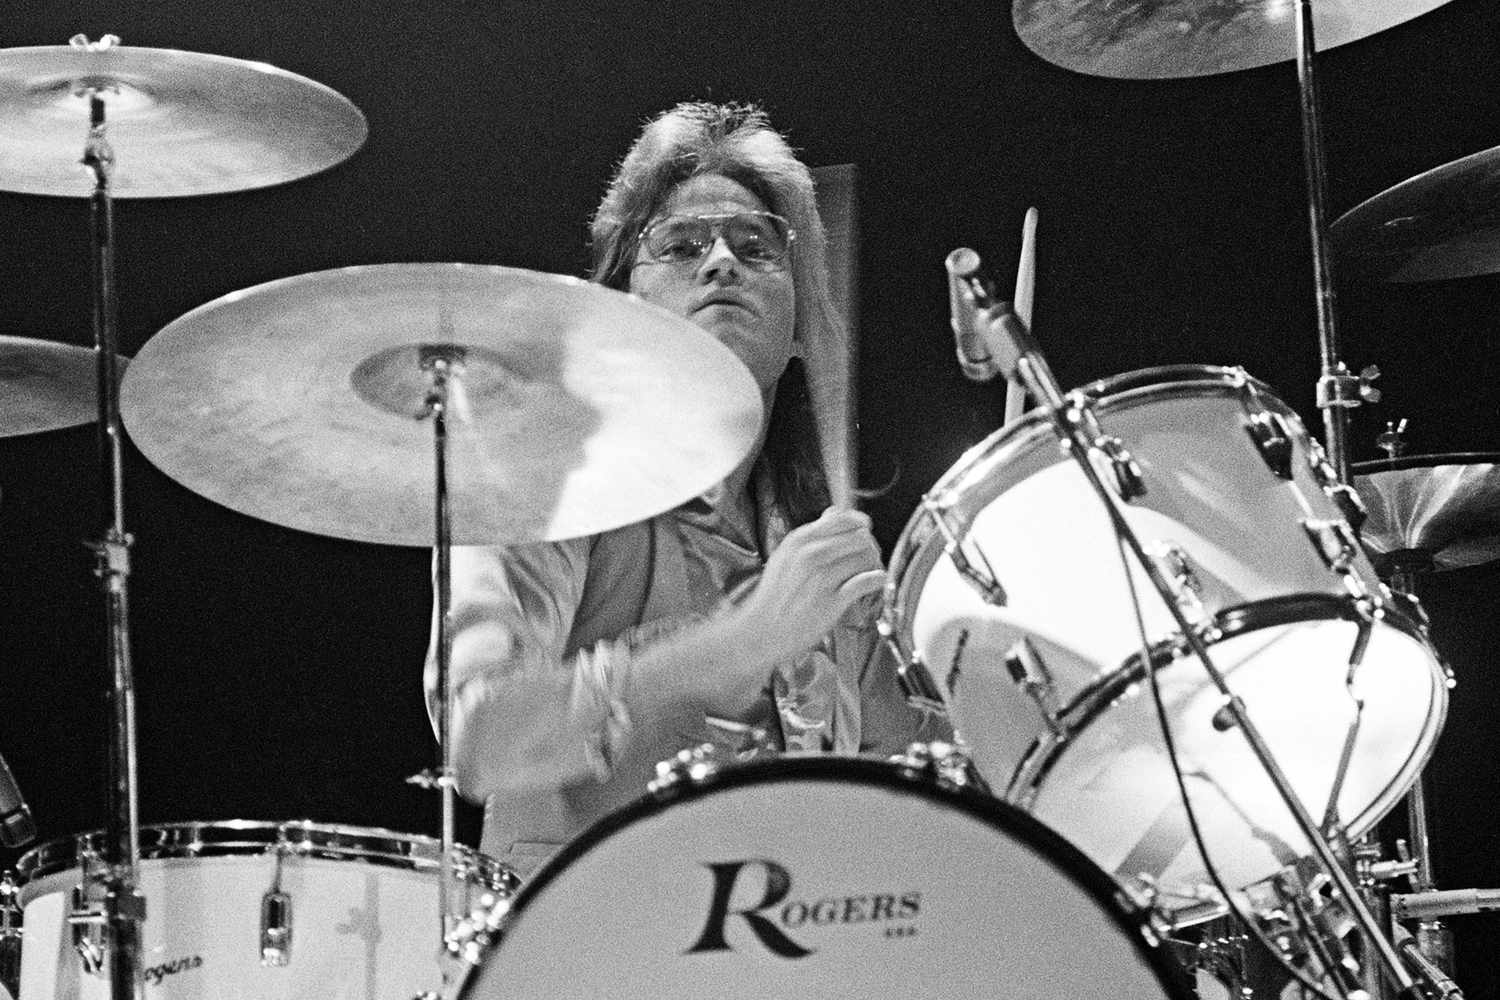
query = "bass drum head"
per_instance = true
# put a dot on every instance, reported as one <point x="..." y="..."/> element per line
<point x="821" y="877"/>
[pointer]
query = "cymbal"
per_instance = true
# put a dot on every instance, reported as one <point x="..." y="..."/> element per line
<point x="45" y="386"/>
<point x="574" y="408"/>
<point x="180" y="123"/>
<point x="1441" y="224"/>
<point x="1161" y="39"/>
<point x="1434" y="512"/>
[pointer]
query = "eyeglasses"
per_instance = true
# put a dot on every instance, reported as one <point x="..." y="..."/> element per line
<point x="760" y="240"/>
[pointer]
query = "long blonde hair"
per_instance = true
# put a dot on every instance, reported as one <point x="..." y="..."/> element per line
<point x="807" y="440"/>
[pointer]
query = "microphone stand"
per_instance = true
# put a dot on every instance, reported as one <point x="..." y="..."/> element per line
<point x="1078" y="428"/>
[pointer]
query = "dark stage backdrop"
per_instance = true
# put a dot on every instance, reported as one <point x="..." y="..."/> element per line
<point x="279" y="673"/>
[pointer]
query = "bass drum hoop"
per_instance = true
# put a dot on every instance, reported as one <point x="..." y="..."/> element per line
<point x="1046" y="844"/>
<point x="915" y="551"/>
<point x="291" y="838"/>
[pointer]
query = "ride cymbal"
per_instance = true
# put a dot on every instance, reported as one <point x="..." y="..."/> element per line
<point x="1161" y="39"/>
<point x="574" y="408"/>
<point x="1431" y="512"/>
<point x="45" y="386"/>
<point x="1441" y="224"/>
<point x="180" y="123"/>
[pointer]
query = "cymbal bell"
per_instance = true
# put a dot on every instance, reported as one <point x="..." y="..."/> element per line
<point x="573" y="408"/>
<point x="1162" y="39"/>
<point x="180" y="123"/>
<point x="1430" y="512"/>
<point x="1441" y="224"/>
<point x="45" y="386"/>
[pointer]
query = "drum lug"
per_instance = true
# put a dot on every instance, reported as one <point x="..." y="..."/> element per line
<point x="1344" y="496"/>
<point x="276" y="911"/>
<point x="1029" y="672"/>
<point x="86" y="919"/>
<point x="275" y="929"/>
<point x="948" y="763"/>
<point x="468" y="942"/>
<point x="694" y="764"/>
<point x="1175" y="566"/>
<point x="920" y="688"/>
<point x="981" y="579"/>
<point x="1335" y="542"/>
<point x="1269" y="432"/>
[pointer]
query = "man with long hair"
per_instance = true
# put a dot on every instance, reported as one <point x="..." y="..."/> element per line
<point x="743" y="618"/>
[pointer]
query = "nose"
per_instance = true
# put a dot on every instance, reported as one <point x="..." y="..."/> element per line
<point x="719" y="263"/>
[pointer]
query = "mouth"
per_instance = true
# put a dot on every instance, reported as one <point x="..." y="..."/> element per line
<point x="723" y="300"/>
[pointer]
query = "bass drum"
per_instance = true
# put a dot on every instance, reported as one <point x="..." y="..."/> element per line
<point x="254" y="911"/>
<point x="821" y="877"/>
<point x="1011" y="609"/>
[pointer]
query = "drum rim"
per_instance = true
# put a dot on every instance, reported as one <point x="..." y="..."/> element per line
<point x="1096" y="697"/>
<point x="1133" y="920"/>
<point x="301" y="838"/>
<point x="1425" y="461"/>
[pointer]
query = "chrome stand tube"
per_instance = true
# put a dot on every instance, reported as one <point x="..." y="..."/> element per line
<point x="442" y="364"/>
<point x="124" y="906"/>
<point x="1338" y="390"/>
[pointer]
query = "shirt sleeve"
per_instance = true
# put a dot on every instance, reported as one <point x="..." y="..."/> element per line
<point x="524" y="713"/>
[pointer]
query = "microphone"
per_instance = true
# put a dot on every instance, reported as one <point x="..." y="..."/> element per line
<point x="16" y="825"/>
<point x="974" y="357"/>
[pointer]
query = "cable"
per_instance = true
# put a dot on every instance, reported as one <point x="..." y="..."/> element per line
<point x="1149" y="666"/>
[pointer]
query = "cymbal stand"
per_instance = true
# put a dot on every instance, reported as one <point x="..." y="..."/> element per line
<point x="1338" y="390"/>
<point x="443" y="364"/>
<point x="124" y="906"/>
<point x="1078" y="429"/>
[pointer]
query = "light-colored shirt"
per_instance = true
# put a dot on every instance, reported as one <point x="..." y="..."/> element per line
<point x="543" y="640"/>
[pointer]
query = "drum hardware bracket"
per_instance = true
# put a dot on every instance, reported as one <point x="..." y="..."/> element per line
<point x="1335" y="542"/>
<point x="1392" y="440"/>
<point x="947" y="763"/>
<point x="693" y="764"/>
<point x="276" y="913"/>
<point x="916" y="682"/>
<point x="1187" y="589"/>
<point x="430" y="779"/>
<point x="1267" y="429"/>
<point x="1340" y="388"/>
<point x="1029" y="672"/>
<point x="983" y="580"/>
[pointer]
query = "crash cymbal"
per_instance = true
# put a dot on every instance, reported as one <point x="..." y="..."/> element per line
<point x="180" y="123"/>
<point x="1441" y="224"/>
<point x="575" y="408"/>
<point x="45" y="386"/>
<point x="1159" y="39"/>
<point x="1431" y="512"/>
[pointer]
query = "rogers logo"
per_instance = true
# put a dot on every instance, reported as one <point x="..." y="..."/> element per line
<point x="775" y="915"/>
<point x="156" y="973"/>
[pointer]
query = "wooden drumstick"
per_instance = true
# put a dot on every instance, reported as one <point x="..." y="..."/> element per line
<point x="1015" y="395"/>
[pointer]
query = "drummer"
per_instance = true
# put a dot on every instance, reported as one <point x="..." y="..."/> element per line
<point x="745" y="617"/>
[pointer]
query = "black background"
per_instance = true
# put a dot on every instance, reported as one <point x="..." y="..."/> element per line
<point x="279" y="673"/>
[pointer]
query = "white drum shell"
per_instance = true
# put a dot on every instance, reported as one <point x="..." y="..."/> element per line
<point x="1105" y="781"/>
<point x="980" y="901"/>
<point x="364" y="920"/>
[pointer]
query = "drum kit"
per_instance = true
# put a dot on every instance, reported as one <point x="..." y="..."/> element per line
<point x="1193" y="777"/>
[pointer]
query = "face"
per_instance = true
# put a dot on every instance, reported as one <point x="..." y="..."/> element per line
<point x="750" y="311"/>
